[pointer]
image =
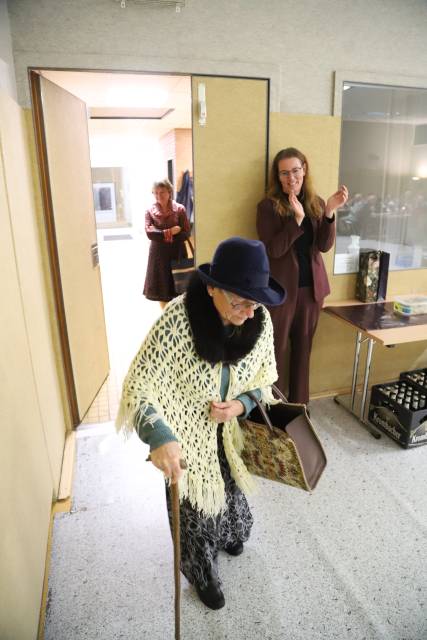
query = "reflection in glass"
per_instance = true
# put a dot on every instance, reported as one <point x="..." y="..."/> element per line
<point x="383" y="162"/>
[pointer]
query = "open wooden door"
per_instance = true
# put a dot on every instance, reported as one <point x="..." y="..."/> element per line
<point x="230" y="158"/>
<point x="63" y="149"/>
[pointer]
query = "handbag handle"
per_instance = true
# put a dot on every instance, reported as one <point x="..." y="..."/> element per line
<point x="190" y="254"/>
<point x="182" y="248"/>
<point x="263" y="412"/>
<point x="263" y="409"/>
<point x="279" y="393"/>
<point x="190" y="243"/>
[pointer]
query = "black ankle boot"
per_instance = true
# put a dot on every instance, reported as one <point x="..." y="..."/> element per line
<point x="211" y="595"/>
<point x="234" y="549"/>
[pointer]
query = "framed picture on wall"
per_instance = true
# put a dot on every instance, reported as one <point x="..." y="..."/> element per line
<point x="104" y="198"/>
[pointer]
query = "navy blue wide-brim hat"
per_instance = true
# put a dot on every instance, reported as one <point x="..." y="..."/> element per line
<point x="241" y="266"/>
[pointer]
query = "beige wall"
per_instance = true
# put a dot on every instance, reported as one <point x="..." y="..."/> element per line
<point x="229" y="160"/>
<point x="177" y="146"/>
<point x="33" y="419"/>
<point x="333" y="348"/>
<point x="167" y="143"/>
<point x="184" y="154"/>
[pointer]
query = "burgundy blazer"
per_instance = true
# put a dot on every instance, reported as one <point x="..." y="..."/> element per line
<point x="279" y="233"/>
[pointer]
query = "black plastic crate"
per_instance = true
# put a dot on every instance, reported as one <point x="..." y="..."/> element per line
<point x="399" y="409"/>
<point x="417" y="377"/>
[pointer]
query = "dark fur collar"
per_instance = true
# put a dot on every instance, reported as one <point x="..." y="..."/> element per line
<point x="210" y="337"/>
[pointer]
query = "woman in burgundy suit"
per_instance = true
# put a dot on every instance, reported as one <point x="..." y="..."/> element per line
<point x="167" y="226"/>
<point x="296" y="225"/>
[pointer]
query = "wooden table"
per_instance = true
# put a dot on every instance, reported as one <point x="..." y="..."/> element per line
<point x="375" y="322"/>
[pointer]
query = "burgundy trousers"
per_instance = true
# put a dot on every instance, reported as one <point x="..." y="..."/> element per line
<point x="295" y="322"/>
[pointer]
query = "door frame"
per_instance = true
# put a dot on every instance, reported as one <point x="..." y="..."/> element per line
<point x="34" y="75"/>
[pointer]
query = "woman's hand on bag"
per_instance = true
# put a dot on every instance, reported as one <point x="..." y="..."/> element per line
<point x="336" y="200"/>
<point x="297" y="207"/>
<point x="167" y="459"/>
<point x="224" y="411"/>
<point x="175" y="230"/>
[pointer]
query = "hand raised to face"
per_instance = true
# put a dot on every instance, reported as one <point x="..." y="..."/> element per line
<point x="297" y="207"/>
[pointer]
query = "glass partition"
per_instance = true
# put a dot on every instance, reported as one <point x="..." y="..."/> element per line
<point x="383" y="162"/>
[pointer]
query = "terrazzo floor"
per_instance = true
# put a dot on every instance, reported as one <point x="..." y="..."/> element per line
<point x="348" y="561"/>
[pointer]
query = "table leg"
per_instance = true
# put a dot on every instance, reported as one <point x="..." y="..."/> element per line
<point x="366" y="378"/>
<point x="351" y="402"/>
<point x="355" y="367"/>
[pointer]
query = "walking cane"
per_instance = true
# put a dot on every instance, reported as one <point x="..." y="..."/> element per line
<point x="177" y="553"/>
<point x="176" y="550"/>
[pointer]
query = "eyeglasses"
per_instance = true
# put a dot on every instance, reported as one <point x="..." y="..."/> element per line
<point x="240" y="306"/>
<point x="293" y="172"/>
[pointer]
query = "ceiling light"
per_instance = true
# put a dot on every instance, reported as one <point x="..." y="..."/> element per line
<point x="178" y="4"/>
<point x="131" y="96"/>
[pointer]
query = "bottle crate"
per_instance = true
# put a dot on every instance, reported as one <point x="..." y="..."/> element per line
<point x="417" y="377"/>
<point x="399" y="409"/>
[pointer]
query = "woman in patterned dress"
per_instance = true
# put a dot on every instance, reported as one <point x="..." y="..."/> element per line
<point x="186" y="389"/>
<point x="167" y="226"/>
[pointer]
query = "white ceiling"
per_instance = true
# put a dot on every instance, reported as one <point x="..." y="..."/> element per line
<point x="131" y="95"/>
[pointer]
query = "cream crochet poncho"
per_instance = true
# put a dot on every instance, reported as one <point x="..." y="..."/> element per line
<point x="168" y="375"/>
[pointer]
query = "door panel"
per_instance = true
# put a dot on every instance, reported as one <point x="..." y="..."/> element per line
<point x="73" y="234"/>
<point x="230" y="155"/>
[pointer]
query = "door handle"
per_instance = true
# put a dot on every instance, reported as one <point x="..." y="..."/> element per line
<point x="94" y="254"/>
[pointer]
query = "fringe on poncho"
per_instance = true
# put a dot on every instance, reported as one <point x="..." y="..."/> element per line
<point x="168" y="375"/>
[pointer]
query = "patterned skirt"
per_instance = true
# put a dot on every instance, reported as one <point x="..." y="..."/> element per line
<point x="202" y="537"/>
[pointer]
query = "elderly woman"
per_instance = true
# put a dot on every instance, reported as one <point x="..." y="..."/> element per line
<point x="188" y="386"/>
<point x="167" y="226"/>
<point x="296" y="225"/>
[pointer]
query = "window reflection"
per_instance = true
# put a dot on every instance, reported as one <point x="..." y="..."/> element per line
<point x="383" y="162"/>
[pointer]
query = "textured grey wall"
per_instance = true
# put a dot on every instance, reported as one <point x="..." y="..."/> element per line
<point x="7" y="70"/>
<point x="297" y="43"/>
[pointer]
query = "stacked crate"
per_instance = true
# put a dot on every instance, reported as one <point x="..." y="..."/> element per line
<point x="399" y="408"/>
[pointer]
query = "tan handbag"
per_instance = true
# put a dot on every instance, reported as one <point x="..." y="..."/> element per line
<point x="281" y="444"/>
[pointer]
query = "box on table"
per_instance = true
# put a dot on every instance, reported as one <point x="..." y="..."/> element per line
<point x="410" y="305"/>
<point x="399" y="409"/>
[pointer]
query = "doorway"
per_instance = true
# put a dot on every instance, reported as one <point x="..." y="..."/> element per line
<point x="230" y="160"/>
<point x="139" y="128"/>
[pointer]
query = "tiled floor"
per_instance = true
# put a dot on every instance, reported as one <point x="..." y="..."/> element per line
<point x="104" y="407"/>
<point x="128" y="315"/>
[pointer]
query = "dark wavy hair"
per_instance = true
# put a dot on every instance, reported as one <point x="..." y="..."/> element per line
<point x="312" y="202"/>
